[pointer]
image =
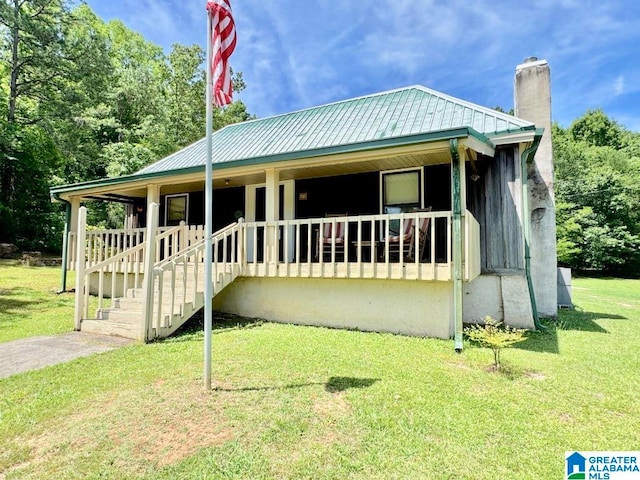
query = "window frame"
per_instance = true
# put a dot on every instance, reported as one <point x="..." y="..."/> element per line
<point x="167" y="200"/>
<point x="418" y="170"/>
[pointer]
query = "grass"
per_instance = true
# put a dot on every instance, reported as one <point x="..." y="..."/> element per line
<point x="29" y="304"/>
<point x="304" y="402"/>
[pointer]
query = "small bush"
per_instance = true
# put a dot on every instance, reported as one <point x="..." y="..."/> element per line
<point x="495" y="336"/>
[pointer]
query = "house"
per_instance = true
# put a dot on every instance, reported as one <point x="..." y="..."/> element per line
<point x="406" y="211"/>
<point x="576" y="464"/>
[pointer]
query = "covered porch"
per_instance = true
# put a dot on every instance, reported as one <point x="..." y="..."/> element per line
<point x="401" y="214"/>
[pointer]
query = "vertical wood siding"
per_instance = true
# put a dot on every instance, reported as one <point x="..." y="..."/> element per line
<point x="495" y="201"/>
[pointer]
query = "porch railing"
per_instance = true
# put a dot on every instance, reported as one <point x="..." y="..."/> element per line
<point x="130" y="262"/>
<point x="290" y="248"/>
<point x="285" y="248"/>
<point x="101" y="245"/>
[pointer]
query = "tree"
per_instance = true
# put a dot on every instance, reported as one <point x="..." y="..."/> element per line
<point x="597" y="196"/>
<point x="595" y="128"/>
<point x="33" y="64"/>
<point x="84" y="99"/>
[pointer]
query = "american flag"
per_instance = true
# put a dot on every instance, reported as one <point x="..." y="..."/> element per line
<point x="223" y="42"/>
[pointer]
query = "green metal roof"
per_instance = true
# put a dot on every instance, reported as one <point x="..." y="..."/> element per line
<point x="390" y="115"/>
<point x="394" y="118"/>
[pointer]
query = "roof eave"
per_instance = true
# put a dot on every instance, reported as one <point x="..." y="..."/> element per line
<point x="520" y="135"/>
<point x="475" y="137"/>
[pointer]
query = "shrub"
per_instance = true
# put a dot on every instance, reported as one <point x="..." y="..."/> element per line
<point x="495" y="336"/>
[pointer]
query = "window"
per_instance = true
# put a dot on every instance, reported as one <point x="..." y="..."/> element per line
<point x="401" y="191"/>
<point x="176" y="209"/>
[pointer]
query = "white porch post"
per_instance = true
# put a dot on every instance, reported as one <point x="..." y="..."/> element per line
<point x="149" y="262"/>
<point x="272" y="201"/>
<point x="289" y="214"/>
<point x="81" y="228"/>
<point x="75" y="212"/>
<point x="153" y="196"/>
<point x="73" y="232"/>
<point x="250" y="216"/>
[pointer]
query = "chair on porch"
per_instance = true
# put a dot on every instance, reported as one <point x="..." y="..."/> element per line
<point x="407" y="234"/>
<point x="329" y="237"/>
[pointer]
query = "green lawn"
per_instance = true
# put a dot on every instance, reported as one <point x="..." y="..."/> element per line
<point x="29" y="304"/>
<point x="303" y="402"/>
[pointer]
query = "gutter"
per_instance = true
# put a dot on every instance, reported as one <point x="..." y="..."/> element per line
<point x="65" y="241"/>
<point x="457" y="249"/>
<point x="526" y="159"/>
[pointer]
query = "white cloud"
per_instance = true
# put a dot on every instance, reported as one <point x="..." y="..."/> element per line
<point x="618" y="86"/>
<point x="296" y="54"/>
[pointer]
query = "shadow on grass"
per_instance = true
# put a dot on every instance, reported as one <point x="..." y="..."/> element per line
<point x="573" y="320"/>
<point x="340" y="384"/>
<point x="15" y="306"/>
<point x="222" y="322"/>
<point x="333" y="385"/>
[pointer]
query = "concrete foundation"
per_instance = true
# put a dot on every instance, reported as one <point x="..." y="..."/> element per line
<point x="505" y="297"/>
<point x="396" y="306"/>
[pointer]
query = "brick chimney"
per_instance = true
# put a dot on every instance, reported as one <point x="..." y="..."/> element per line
<point x="532" y="100"/>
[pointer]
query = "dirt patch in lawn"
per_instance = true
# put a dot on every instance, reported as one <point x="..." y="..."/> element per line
<point x="135" y="431"/>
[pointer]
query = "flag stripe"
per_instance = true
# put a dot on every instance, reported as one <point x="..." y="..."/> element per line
<point x="223" y="43"/>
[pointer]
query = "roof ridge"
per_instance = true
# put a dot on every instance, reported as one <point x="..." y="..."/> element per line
<point x="396" y="113"/>
<point x="430" y="91"/>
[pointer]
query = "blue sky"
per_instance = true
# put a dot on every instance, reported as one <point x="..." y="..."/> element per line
<point x="301" y="53"/>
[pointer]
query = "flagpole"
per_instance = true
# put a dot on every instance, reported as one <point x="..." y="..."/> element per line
<point x="208" y="220"/>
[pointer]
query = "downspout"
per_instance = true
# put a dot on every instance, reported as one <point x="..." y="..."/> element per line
<point x="65" y="241"/>
<point x="525" y="161"/>
<point x="456" y="204"/>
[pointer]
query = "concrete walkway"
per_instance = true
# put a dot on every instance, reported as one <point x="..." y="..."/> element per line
<point x="38" y="352"/>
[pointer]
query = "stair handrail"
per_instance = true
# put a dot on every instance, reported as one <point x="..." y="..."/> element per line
<point x="216" y="236"/>
<point x="122" y="255"/>
<point x="156" y="316"/>
<point x="132" y="256"/>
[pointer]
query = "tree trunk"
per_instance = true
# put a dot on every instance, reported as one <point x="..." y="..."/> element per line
<point x="13" y="85"/>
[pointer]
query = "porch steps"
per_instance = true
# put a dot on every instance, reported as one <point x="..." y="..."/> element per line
<point x="125" y="317"/>
<point x="126" y="329"/>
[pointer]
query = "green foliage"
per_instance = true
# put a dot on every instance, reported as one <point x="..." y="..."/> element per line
<point x="598" y="199"/>
<point x="596" y="129"/>
<point x="84" y="99"/>
<point x="494" y="336"/>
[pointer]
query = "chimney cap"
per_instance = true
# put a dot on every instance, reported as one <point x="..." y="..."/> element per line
<point x="531" y="62"/>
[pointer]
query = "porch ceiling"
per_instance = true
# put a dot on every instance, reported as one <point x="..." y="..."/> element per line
<point x="322" y="166"/>
<point x="391" y="162"/>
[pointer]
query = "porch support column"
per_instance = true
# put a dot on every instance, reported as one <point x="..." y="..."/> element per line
<point x="75" y="211"/>
<point x="72" y="209"/>
<point x="65" y="247"/>
<point x="458" y="204"/>
<point x="81" y="284"/>
<point x="153" y="196"/>
<point x="73" y="233"/>
<point x="272" y="201"/>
